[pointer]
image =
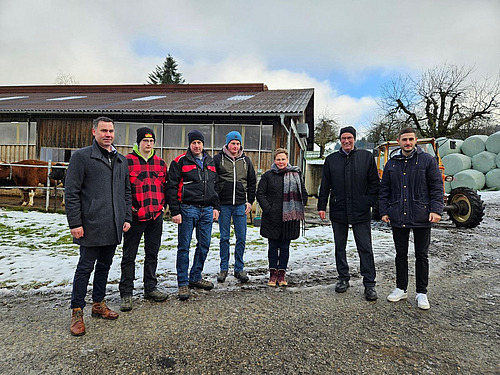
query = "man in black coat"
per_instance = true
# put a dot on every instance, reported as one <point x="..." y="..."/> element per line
<point x="350" y="179"/>
<point x="98" y="209"/>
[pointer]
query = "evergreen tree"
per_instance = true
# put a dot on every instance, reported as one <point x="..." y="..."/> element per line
<point x="166" y="74"/>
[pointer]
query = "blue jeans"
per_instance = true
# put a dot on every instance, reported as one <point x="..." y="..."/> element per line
<point x="201" y="219"/>
<point x="240" y="231"/>
<point x="278" y="253"/>
<point x="101" y="257"/>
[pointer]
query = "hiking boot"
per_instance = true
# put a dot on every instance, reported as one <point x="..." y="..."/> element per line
<point x="242" y="276"/>
<point x="77" y="327"/>
<point x="100" y="310"/>
<point x="397" y="295"/>
<point x="370" y="293"/>
<point x="273" y="277"/>
<point x="126" y="303"/>
<point x="221" y="277"/>
<point x="422" y="302"/>
<point x="184" y="292"/>
<point x="156" y="295"/>
<point x="281" y="278"/>
<point x="201" y="284"/>
<point x="341" y="286"/>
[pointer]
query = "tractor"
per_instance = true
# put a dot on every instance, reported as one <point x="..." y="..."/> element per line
<point x="463" y="204"/>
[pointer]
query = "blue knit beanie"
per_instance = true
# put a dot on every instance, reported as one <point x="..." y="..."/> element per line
<point x="234" y="135"/>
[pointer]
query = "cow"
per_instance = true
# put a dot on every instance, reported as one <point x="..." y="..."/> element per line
<point x="26" y="176"/>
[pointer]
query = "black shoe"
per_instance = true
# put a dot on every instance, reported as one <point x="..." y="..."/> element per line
<point x="156" y="295"/>
<point x="221" y="277"/>
<point x="242" y="276"/>
<point x="370" y="293"/>
<point x="341" y="286"/>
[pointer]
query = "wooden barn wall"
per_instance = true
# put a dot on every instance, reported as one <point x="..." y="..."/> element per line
<point x="13" y="153"/>
<point x="64" y="133"/>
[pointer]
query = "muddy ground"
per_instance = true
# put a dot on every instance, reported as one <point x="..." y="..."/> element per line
<point x="306" y="328"/>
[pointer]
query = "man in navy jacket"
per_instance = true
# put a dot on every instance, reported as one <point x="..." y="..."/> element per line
<point x="411" y="197"/>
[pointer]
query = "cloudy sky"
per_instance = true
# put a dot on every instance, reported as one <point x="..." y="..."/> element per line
<point x="343" y="49"/>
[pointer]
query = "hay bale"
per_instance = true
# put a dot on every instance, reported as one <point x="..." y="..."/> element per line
<point x="493" y="143"/>
<point x="469" y="178"/>
<point x="484" y="161"/>
<point x="445" y="147"/>
<point x="493" y="178"/>
<point x="455" y="163"/>
<point x="497" y="160"/>
<point x="474" y="145"/>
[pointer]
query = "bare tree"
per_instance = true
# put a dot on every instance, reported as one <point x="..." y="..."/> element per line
<point x="385" y="129"/>
<point x="65" y="79"/>
<point x="325" y="132"/>
<point x="442" y="101"/>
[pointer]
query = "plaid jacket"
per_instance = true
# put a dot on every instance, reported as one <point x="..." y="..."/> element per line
<point x="148" y="181"/>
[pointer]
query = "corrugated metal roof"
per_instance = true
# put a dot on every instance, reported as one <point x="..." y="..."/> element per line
<point x="226" y="99"/>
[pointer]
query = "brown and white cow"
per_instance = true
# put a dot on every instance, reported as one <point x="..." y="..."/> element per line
<point x="27" y="176"/>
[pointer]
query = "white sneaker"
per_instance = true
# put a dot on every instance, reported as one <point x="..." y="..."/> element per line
<point x="397" y="295"/>
<point x="422" y="301"/>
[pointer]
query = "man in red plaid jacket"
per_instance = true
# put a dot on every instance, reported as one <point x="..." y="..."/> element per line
<point x="148" y="174"/>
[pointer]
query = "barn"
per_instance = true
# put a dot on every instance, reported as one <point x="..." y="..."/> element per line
<point x="49" y="122"/>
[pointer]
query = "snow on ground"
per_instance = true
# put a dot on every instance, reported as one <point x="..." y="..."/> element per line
<point x="37" y="253"/>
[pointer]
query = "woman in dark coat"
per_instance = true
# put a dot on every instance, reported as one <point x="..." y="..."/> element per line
<point x="282" y="197"/>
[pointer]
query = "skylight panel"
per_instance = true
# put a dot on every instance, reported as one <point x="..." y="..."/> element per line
<point x="68" y="98"/>
<point x="14" y="97"/>
<point x="240" y="97"/>
<point x="151" y="97"/>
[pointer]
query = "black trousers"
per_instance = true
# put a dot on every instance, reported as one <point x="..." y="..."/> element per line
<point x="421" y="239"/>
<point x="101" y="257"/>
<point x="152" y="230"/>
<point x="363" y="237"/>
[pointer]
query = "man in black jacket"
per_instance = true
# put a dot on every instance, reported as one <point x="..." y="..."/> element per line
<point x="351" y="181"/>
<point x="236" y="188"/>
<point x="194" y="203"/>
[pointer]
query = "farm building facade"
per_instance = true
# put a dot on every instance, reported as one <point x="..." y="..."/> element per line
<point x="49" y="122"/>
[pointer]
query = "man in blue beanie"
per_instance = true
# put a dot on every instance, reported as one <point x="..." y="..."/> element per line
<point x="236" y="189"/>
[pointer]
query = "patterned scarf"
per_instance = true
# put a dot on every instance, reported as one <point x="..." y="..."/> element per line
<point x="293" y="206"/>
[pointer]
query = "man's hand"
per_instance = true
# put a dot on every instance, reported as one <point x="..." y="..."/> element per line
<point x="434" y="218"/>
<point x="322" y="215"/>
<point x="385" y="218"/>
<point x="126" y="226"/>
<point x="216" y="214"/>
<point x="177" y="219"/>
<point x="77" y="232"/>
<point x="248" y="207"/>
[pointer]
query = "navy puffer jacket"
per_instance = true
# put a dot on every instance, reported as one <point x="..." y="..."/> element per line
<point x="411" y="188"/>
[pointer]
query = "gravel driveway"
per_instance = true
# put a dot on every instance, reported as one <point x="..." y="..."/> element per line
<point x="306" y="328"/>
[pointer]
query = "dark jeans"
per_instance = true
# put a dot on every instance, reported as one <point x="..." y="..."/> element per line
<point x="201" y="219"/>
<point x="278" y="253"/>
<point x="152" y="230"/>
<point x="363" y="237"/>
<point x="101" y="257"/>
<point x="421" y="240"/>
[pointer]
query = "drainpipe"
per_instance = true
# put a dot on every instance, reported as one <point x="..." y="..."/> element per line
<point x="282" y="117"/>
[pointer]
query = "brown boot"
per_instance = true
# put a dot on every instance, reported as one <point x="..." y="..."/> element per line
<point x="100" y="310"/>
<point x="77" y="327"/>
<point x="273" y="278"/>
<point x="281" y="278"/>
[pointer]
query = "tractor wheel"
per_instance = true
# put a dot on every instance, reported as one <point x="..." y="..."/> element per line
<point x="467" y="207"/>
